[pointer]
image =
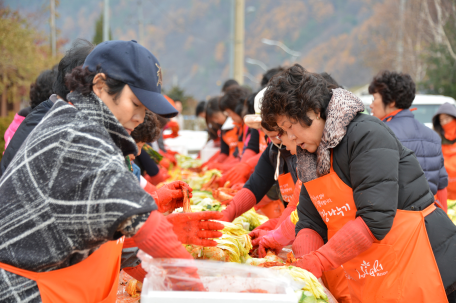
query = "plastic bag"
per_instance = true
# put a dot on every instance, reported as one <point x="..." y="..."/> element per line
<point x="196" y="275"/>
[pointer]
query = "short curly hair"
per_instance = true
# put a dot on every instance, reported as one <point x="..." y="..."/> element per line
<point x="149" y="130"/>
<point x="41" y="89"/>
<point x="394" y="87"/>
<point x="293" y="93"/>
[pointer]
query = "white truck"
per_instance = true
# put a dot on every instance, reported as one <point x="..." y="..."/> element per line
<point x="426" y="106"/>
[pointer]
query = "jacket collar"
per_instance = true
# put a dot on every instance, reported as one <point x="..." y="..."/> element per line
<point x="398" y="113"/>
<point x="97" y="111"/>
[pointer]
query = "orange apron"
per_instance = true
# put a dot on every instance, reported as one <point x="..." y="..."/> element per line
<point x="272" y="210"/>
<point x="287" y="186"/>
<point x="449" y="155"/>
<point x="230" y="137"/>
<point x="263" y="142"/>
<point x="94" y="279"/>
<point x="399" y="268"/>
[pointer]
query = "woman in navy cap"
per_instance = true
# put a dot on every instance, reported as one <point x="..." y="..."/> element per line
<point x="69" y="193"/>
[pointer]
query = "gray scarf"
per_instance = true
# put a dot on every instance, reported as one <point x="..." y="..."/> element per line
<point x="342" y="109"/>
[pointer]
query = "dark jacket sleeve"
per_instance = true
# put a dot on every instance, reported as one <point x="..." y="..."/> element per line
<point x="309" y="216"/>
<point x="254" y="142"/>
<point x="224" y="148"/>
<point x="148" y="164"/>
<point x="373" y="155"/>
<point x="262" y="178"/>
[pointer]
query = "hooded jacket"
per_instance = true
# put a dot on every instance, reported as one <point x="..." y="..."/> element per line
<point x="448" y="147"/>
<point x="424" y="142"/>
<point x="448" y="109"/>
<point x="66" y="192"/>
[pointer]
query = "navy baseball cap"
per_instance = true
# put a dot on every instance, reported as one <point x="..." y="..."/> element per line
<point x="133" y="64"/>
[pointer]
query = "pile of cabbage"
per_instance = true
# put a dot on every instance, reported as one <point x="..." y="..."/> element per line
<point x="312" y="291"/>
<point x="203" y="201"/>
<point x="186" y="162"/>
<point x="233" y="246"/>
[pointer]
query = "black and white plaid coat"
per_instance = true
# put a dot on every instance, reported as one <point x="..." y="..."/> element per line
<point x="66" y="192"/>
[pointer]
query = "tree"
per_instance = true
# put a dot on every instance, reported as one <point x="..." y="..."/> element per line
<point x="23" y="55"/>
<point x="98" y="36"/>
<point x="441" y="70"/>
<point x="178" y="94"/>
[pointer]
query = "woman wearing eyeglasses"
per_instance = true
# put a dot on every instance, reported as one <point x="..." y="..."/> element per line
<point x="365" y="203"/>
<point x="277" y="164"/>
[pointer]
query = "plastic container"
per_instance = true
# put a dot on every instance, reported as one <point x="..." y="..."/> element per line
<point x="218" y="292"/>
<point x="222" y="282"/>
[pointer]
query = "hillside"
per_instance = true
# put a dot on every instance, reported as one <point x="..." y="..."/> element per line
<point x="190" y="37"/>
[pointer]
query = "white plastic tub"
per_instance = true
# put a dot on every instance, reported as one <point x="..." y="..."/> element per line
<point x="218" y="292"/>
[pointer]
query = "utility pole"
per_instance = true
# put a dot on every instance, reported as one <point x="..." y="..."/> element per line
<point x="231" y="48"/>
<point x="140" y="23"/>
<point x="106" y="20"/>
<point x="239" y="42"/>
<point x="53" y="33"/>
<point x="400" y="46"/>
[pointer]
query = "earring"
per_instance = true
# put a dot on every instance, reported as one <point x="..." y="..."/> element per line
<point x="318" y="117"/>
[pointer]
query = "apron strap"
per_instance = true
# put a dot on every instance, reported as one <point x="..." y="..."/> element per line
<point x="20" y="272"/>
<point x="428" y="210"/>
<point x="276" y="174"/>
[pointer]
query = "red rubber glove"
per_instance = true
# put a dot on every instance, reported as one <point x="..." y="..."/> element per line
<point x="150" y="188"/>
<point x="165" y="162"/>
<point x="136" y="272"/>
<point x="240" y="173"/>
<point x="228" y="164"/>
<point x="171" y="152"/>
<point x="157" y="238"/>
<point x="442" y="196"/>
<point x="194" y="228"/>
<point x="242" y="202"/>
<point x="276" y="239"/>
<point x="218" y="157"/>
<point x="256" y="235"/>
<point x="262" y="230"/>
<point x="351" y="240"/>
<point x="268" y="225"/>
<point x="216" y="165"/>
<point x="170" y="196"/>
<point x="160" y="177"/>
<point x="169" y="156"/>
<point x="248" y="154"/>
<point x="307" y="241"/>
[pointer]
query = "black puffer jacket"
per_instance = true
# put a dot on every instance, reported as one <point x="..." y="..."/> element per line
<point x="385" y="176"/>
<point x="262" y="178"/>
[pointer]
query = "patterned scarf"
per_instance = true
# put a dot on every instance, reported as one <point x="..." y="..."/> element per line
<point x="342" y="109"/>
